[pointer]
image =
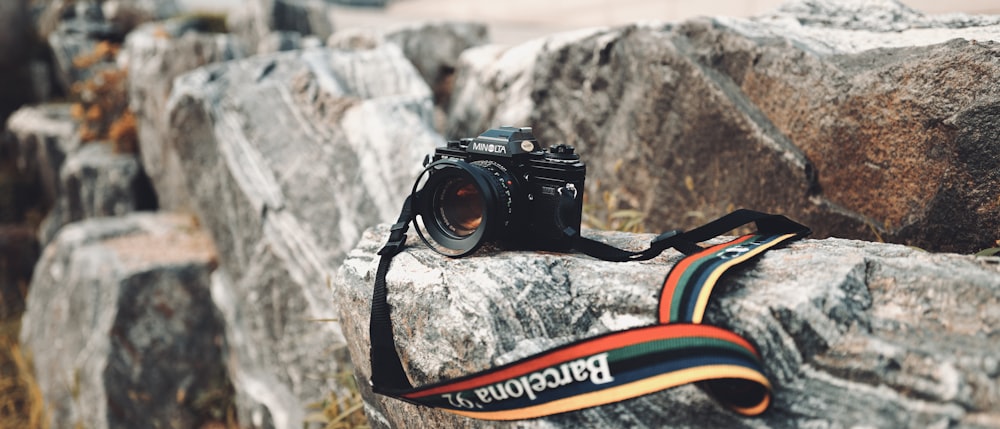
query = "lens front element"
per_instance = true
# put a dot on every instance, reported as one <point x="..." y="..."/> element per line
<point x="462" y="205"/>
<point x="459" y="206"/>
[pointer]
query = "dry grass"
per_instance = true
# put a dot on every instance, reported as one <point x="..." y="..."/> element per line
<point x="612" y="211"/>
<point x="21" y="405"/>
<point x="345" y="412"/>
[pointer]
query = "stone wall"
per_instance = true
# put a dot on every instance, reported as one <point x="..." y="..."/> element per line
<point x="864" y="121"/>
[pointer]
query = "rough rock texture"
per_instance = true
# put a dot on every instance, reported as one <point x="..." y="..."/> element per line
<point x="154" y="54"/>
<point x="122" y="328"/>
<point x="96" y="182"/>
<point x="863" y="119"/>
<point x="42" y="136"/>
<point x="286" y="189"/>
<point x="852" y="333"/>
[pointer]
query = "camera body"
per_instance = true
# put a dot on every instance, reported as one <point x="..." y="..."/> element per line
<point x="503" y="187"/>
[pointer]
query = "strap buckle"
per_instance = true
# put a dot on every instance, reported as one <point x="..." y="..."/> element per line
<point x="665" y="236"/>
<point x="397" y="239"/>
<point x="674" y="239"/>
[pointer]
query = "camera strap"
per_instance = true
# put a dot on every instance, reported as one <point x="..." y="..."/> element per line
<point x="615" y="366"/>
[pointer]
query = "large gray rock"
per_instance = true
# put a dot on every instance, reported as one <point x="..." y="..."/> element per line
<point x="852" y="334"/>
<point x="154" y="54"/>
<point x="122" y="328"/>
<point x="286" y="188"/>
<point x="96" y="182"/>
<point x="864" y="119"/>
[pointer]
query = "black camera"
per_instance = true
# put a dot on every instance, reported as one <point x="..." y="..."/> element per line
<point x="501" y="187"/>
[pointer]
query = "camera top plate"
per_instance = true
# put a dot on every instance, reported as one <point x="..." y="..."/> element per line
<point x="505" y="142"/>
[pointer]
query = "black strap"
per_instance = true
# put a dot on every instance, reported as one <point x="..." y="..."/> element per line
<point x="387" y="370"/>
<point x="686" y="242"/>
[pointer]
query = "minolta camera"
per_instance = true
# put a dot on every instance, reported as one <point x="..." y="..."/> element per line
<point x="501" y="187"/>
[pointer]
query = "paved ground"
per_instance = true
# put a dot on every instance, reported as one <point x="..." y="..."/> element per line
<point x="513" y="21"/>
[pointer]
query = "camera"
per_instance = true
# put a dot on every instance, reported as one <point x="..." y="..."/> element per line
<point x="501" y="187"/>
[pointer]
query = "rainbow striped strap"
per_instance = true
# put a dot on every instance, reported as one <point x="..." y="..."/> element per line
<point x="598" y="371"/>
<point x="623" y="365"/>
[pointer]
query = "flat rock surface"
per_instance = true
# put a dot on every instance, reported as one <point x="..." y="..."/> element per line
<point x="852" y="333"/>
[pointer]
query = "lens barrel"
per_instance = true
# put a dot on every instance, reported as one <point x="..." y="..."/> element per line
<point x="463" y="205"/>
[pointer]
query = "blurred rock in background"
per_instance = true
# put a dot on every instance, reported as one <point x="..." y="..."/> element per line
<point x="154" y="54"/>
<point x="122" y="327"/>
<point x="879" y="132"/>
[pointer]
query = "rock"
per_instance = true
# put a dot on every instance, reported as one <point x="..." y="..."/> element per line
<point x="126" y="15"/>
<point x="432" y="47"/>
<point x="31" y="152"/>
<point x="280" y="41"/>
<point x="154" y="54"/>
<point x="102" y="18"/>
<point x="75" y="29"/>
<point x="852" y="333"/>
<point x="307" y="17"/>
<point x="42" y="136"/>
<point x="875" y="131"/>
<point x="286" y="188"/>
<point x="122" y="327"/>
<point x="96" y="182"/>
<point x="927" y="180"/>
<point x="260" y="18"/>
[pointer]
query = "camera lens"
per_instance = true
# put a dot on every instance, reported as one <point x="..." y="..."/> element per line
<point x="462" y="205"/>
<point x="459" y="206"/>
